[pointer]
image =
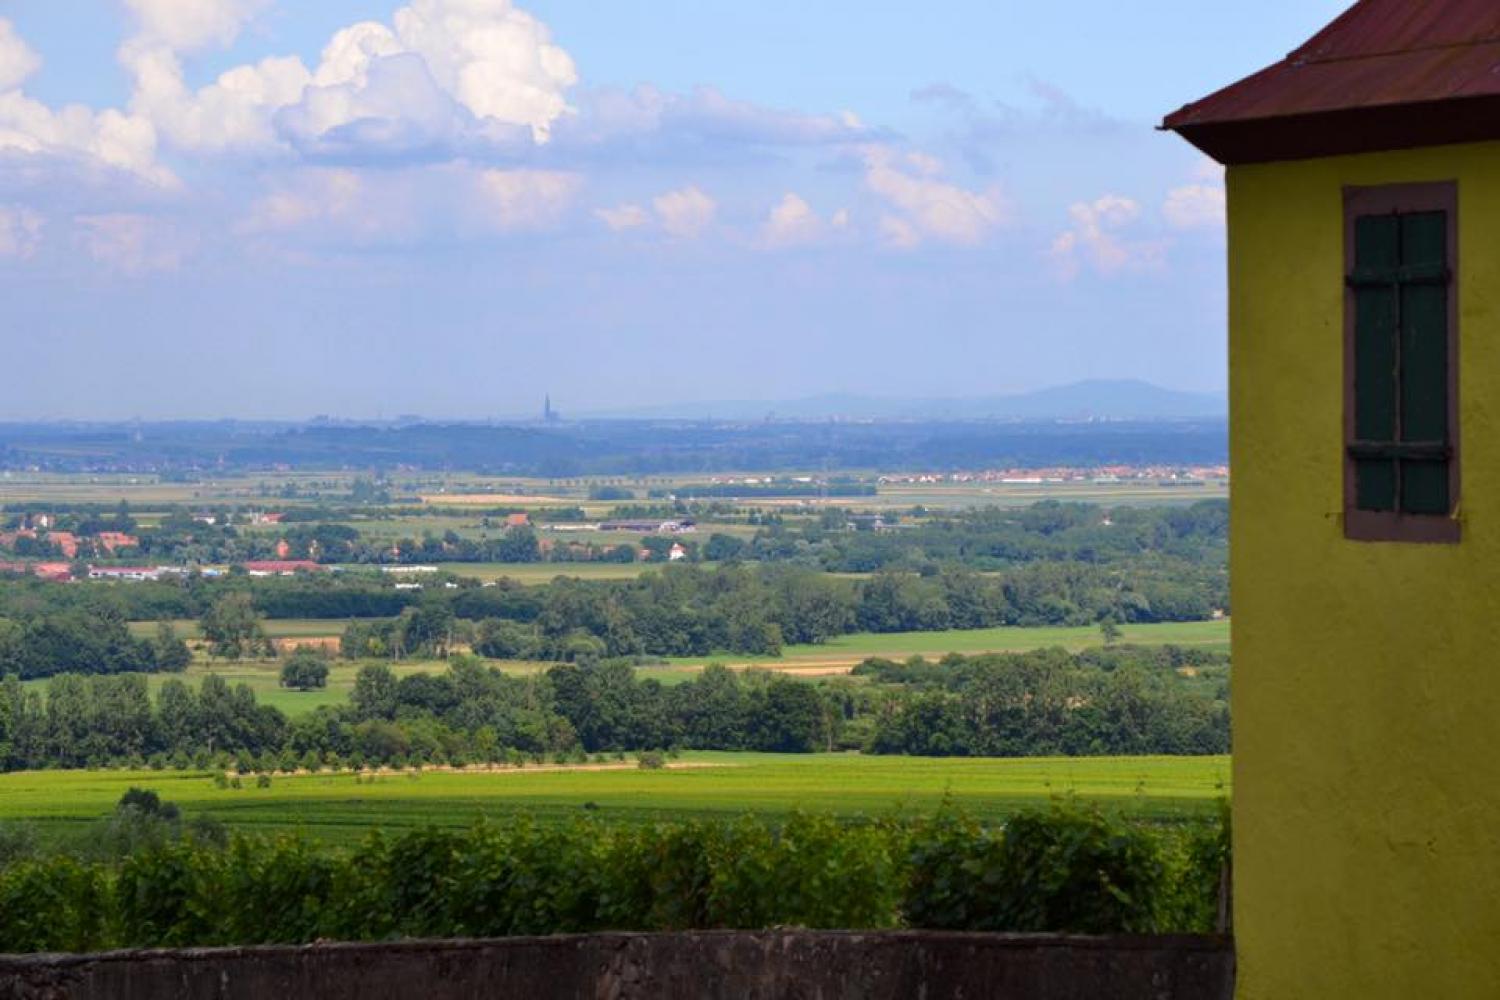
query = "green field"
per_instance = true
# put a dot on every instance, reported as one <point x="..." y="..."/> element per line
<point x="837" y="656"/>
<point x="337" y="808"/>
<point x="539" y="573"/>
<point x="276" y="628"/>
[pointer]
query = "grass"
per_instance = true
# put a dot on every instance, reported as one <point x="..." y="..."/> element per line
<point x="337" y="808"/>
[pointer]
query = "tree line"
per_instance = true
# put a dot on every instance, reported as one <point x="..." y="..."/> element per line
<point x="1050" y="703"/>
<point x="758" y="610"/>
<point x="75" y="641"/>
<point x="1124" y="700"/>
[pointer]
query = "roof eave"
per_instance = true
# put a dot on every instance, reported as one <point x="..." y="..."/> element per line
<point x="1342" y="132"/>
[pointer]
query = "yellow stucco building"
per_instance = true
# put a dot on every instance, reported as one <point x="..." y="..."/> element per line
<point x="1363" y="191"/>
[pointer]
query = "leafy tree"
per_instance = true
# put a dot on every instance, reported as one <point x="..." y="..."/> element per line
<point x="232" y="627"/>
<point x="375" y="692"/>
<point x="786" y="717"/>
<point x="724" y="548"/>
<point x="172" y="654"/>
<point x="305" y="670"/>
<point x="504" y="640"/>
<point x="519" y="545"/>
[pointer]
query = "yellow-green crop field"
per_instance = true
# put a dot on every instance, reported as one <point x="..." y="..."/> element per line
<point x="339" y="808"/>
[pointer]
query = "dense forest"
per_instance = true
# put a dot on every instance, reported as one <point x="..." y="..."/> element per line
<point x="1118" y="700"/>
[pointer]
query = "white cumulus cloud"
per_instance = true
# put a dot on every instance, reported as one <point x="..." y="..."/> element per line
<point x="310" y="196"/>
<point x="20" y="231"/>
<point x="232" y="113"/>
<point x="511" y="200"/>
<point x="1095" y="239"/>
<point x="924" y="206"/>
<point x="685" y="214"/>
<point x="133" y="244"/>
<point x="17" y="60"/>
<point x="1195" y="206"/>
<point x="498" y="61"/>
<point x="186" y="25"/>
<point x="341" y="207"/>
<point x="75" y="134"/>
<point x="623" y="217"/>
<point x="793" y="222"/>
<point x="441" y="74"/>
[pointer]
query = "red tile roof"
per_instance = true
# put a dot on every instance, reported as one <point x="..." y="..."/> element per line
<point x="1387" y="74"/>
<point x="65" y="540"/>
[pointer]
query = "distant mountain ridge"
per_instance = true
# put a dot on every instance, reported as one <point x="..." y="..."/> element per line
<point x="1097" y="399"/>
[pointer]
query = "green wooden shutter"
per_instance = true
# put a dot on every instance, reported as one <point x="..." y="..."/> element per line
<point x="1377" y="258"/>
<point x="1424" y="361"/>
<point x="1401" y="448"/>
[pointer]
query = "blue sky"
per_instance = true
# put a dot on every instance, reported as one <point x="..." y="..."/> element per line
<point x="263" y="208"/>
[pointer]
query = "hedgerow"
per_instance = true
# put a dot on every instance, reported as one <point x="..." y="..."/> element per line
<point x="1065" y="869"/>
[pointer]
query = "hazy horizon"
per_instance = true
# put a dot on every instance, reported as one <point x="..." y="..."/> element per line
<point x="265" y="210"/>
<point x="1142" y="401"/>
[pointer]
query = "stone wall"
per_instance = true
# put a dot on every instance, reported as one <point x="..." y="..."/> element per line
<point x="721" y="965"/>
<point x="699" y="966"/>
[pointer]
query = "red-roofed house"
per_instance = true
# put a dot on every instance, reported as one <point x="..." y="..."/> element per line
<point x="65" y="540"/>
<point x="55" y="571"/>
<point x="111" y="540"/>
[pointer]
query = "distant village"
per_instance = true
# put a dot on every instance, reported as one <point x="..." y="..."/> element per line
<point x="1018" y="476"/>
<point x="1100" y="475"/>
<point x="40" y="549"/>
<point x="68" y="555"/>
